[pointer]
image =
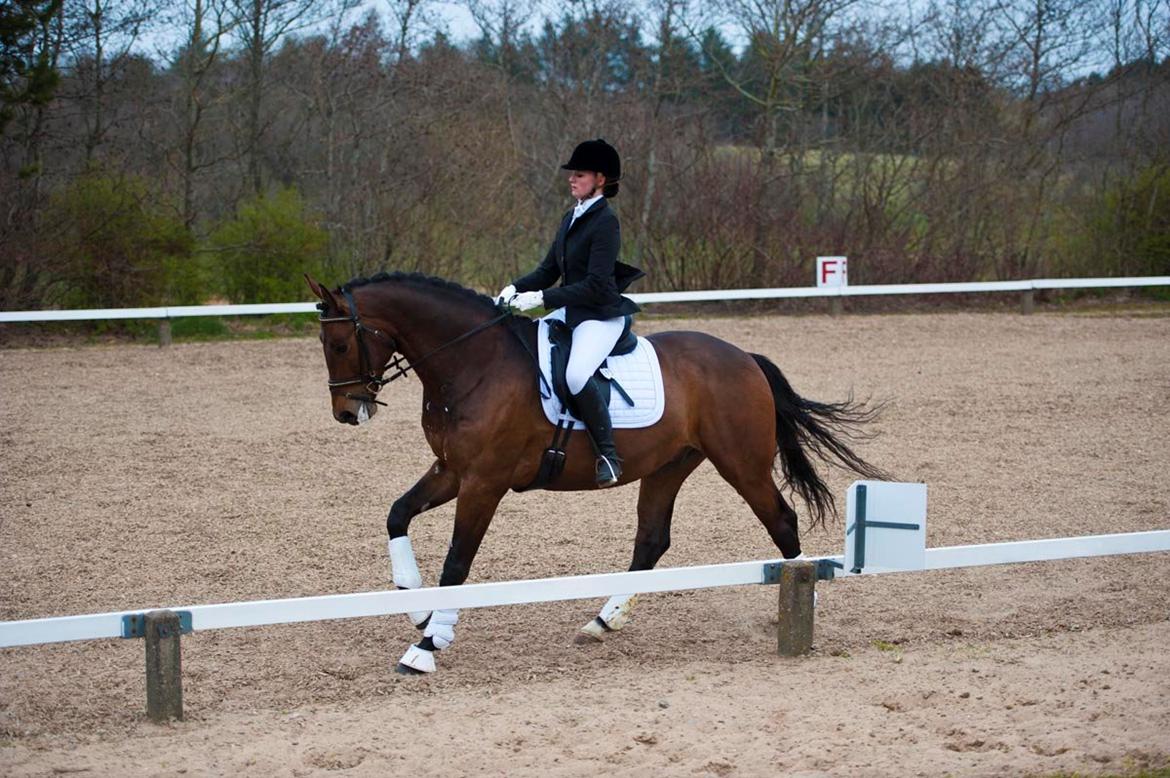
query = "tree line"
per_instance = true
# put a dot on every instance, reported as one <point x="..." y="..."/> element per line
<point x="193" y="150"/>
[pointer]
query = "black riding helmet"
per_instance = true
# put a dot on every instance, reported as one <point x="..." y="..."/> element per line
<point x="600" y="157"/>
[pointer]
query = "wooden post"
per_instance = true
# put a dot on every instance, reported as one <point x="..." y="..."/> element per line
<point x="1027" y="302"/>
<point x="164" y="680"/>
<point x="836" y="306"/>
<point x="794" y="632"/>
<point x="164" y="332"/>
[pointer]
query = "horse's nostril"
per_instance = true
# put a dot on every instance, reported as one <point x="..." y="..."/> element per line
<point x="347" y="417"/>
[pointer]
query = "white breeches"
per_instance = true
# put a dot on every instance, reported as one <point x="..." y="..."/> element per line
<point x="592" y="342"/>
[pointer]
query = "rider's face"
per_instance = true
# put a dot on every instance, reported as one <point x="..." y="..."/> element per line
<point x="583" y="183"/>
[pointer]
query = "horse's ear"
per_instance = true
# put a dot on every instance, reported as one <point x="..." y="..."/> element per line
<point x="324" y="294"/>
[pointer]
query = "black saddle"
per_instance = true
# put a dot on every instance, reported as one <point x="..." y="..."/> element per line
<point x="560" y="338"/>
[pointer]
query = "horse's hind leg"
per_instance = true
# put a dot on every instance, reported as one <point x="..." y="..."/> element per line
<point x="776" y="515"/>
<point x="744" y="454"/>
<point x="655" y="509"/>
<point x="437" y="486"/>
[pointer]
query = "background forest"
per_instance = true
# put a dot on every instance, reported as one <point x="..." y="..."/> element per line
<point x="196" y="150"/>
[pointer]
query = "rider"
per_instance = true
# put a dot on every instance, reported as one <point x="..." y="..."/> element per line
<point x="584" y="255"/>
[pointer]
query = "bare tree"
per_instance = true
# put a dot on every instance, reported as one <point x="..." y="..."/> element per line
<point x="102" y="35"/>
<point x="782" y="37"/>
<point x="501" y="25"/>
<point x="663" y="87"/>
<point x="409" y="19"/>
<point x="260" y="25"/>
<point x="1048" y="40"/>
<point x="343" y="92"/>
<point x="206" y="24"/>
<point x="775" y="76"/>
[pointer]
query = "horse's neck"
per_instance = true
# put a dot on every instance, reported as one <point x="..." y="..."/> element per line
<point x="427" y="327"/>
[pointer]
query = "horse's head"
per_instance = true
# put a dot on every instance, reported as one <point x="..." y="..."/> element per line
<point x="356" y="355"/>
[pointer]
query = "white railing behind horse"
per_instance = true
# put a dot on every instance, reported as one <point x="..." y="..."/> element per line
<point x="1026" y="287"/>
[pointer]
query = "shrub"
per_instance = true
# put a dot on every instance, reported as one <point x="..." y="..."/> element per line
<point x="118" y="244"/>
<point x="267" y="247"/>
<point x="1135" y="223"/>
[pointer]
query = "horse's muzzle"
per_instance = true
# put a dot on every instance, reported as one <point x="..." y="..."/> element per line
<point x="365" y="411"/>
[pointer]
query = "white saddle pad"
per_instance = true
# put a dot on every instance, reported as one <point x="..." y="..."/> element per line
<point x="638" y="372"/>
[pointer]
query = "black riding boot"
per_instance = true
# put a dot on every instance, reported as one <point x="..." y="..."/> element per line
<point x="595" y="413"/>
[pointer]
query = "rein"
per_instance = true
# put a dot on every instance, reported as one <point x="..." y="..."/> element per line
<point x="373" y="380"/>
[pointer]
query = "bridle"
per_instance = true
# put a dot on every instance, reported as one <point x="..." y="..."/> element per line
<point x="373" y="380"/>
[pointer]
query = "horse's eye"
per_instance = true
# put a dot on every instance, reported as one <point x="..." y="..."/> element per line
<point x="340" y="348"/>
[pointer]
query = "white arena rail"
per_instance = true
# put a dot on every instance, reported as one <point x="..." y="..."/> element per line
<point x="1026" y="287"/>
<point x="885" y="532"/>
<point x="381" y="603"/>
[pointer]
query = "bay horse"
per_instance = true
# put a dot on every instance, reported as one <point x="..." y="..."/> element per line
<point x="483" y="420"/>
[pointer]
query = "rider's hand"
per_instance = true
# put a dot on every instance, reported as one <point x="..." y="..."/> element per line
<point x="526" y="301"/>
<point x="506" y="294"/>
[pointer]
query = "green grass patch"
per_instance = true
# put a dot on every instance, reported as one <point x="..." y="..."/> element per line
<point x="277" y="325"/>
<point x="200" y="328"/>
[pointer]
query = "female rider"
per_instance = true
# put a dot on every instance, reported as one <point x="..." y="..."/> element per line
<point x="584" y="255"/>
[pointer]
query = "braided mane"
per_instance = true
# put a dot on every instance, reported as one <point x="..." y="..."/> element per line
<point x="421" y="280"/>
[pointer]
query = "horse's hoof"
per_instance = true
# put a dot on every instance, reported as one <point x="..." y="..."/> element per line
<point x="416" y="661"/>
<point x="593" y="632"/>
<point x="402" y="669"/>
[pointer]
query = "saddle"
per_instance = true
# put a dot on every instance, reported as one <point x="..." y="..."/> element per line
<point x="560" y="337"/>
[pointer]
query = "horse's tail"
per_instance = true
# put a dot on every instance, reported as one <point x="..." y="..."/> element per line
<point x="822" y="428"/>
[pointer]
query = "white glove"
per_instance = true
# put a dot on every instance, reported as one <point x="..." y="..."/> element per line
<point x="526" y="301"/>
<point x="506" y="294"/>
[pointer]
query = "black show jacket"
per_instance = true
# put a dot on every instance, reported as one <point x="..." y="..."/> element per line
<point x="585" y="256"/>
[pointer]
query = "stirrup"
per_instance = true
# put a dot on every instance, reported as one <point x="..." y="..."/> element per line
<point x="609" y="471"/>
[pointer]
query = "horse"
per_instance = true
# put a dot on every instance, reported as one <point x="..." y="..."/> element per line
<point x="482" y="418"/>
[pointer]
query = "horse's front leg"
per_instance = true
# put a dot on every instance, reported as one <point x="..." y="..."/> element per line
<point x="473" y="513"/>
<point x="437" y="486"/>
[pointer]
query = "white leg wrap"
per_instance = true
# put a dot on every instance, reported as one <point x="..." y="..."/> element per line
<point x="617" y="610"/>
<point x="419" y="659"/>
<point x="404" y="572"/>
<point x="441" y="629"/>
<point x="593" y="630"/>
<point x="403" y="566"/>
